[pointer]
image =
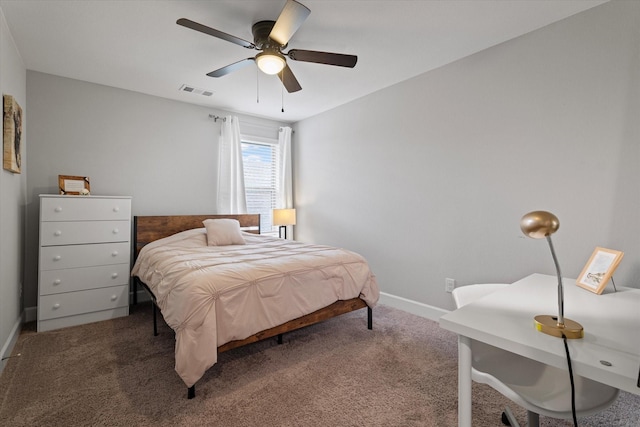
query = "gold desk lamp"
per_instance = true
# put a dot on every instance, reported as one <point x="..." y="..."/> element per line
<point x="539" y="224"/>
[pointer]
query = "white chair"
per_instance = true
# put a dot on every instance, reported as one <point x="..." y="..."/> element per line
<point x="540" y="389"/>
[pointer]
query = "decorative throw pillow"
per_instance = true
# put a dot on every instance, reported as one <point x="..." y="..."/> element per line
<point x="222" y="232"/>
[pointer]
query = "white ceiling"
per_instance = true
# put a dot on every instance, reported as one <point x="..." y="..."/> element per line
<point x="137" y="45"/>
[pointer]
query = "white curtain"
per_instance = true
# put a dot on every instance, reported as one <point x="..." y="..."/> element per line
<point x="284" y="184"/>
<point x="231" y="193"/>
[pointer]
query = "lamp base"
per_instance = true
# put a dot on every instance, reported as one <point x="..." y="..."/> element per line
<point x="549" y="325"/>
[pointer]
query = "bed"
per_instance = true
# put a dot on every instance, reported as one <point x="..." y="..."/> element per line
<point x="218" y="293"/>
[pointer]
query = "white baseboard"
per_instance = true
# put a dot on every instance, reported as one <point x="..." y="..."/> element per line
<point x="7" y="348"/>
<point x="413" y="307"/>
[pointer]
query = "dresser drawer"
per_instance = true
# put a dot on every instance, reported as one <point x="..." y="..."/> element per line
<point x="73" y="303"/>
<point x="76" y="279"/>
<point x="79" y="208"/>
<point x="72" y="256"/>
<point x="71" y="233"/>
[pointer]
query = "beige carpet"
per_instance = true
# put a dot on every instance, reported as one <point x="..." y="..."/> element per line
<point x="338" y="373"/>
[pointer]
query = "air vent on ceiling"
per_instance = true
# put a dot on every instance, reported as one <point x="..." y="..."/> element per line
<point x="195" y="90"/>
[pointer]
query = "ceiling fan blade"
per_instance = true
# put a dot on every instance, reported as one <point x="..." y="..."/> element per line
<point x="328" y="58"/>
<point x="291" y="18"/>
<point x="231" y="67"/>
<point x="289" y="80"/>
<point x="215" y="33"/>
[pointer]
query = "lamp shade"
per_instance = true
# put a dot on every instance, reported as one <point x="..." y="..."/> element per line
<point x="539" y="224"/>
<point x="284" y="217"/>
<point x="270" y="62"/>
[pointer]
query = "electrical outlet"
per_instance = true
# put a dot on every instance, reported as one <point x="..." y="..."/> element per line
<point x="449" y="285"/>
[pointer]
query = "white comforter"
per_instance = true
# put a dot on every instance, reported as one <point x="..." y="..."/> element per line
<point x="211" y="295"/>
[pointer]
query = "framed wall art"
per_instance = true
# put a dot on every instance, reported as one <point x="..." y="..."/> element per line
<point x="599" y="268"/>
<point x="74" y="185"/>
<point x="12" y="136"/>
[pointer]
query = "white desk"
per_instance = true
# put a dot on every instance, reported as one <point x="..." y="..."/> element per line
<point x="504" y="319"/>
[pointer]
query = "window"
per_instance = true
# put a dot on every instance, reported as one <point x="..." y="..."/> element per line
<point x="259" y="161"/>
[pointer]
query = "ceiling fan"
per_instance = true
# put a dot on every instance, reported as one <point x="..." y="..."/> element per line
<point x="271" y="37"/>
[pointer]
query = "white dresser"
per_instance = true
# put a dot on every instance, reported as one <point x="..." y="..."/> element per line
<point x="85" y="246"/>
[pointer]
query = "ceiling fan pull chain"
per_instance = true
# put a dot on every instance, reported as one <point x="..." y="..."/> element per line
<point x="257" y="86"/>
<point x="282" y="94"/>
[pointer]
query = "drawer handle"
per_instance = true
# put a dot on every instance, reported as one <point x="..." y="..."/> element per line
<point x="116" y="231"/>
<point x="58" y="209"/>
<point x="116" y="209"/>
<point x="56" y="306"/>
<point x="57" y="282"/>
<point x="58" y="233"/>
<point x="114" y="297"/>
<point x="114" y="253"/>
<point x="114" y="275"/>
<point x="57" y="258"/>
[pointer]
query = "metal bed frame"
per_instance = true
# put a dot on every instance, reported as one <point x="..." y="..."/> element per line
<point x="149" y="228"/>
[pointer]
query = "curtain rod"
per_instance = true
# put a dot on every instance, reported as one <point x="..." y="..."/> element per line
<point x="215" y="118"/>
<point x="224" y="119"/>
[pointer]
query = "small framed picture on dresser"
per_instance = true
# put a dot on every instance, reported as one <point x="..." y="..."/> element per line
<point x="74" y="185"/>
<point x="599" y="269"/>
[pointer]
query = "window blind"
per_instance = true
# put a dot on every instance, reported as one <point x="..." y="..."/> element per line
<point x="259" y="162"/>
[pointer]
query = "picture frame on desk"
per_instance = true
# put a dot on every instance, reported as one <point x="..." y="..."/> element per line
<point x="74" y="185"/>
<point x="599" y="269"/>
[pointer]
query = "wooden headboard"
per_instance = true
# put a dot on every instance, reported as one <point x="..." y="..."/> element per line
<point x="146" y="229"/>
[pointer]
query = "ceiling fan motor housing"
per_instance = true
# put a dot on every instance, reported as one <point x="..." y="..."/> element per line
<point x="261" y="31"/>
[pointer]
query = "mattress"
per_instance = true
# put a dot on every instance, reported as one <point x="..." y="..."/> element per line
<point x="211" y="295"/>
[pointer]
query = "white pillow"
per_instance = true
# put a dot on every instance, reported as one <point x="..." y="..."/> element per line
<point x="222" y="232"/>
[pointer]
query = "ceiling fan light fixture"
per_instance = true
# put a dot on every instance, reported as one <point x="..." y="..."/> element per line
<point x="270" y="62"/>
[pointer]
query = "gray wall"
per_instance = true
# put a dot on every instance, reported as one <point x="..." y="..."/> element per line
<point x="12" y="201"/>
<point x="429" y="178"/>
<point x="163" y="153"/>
